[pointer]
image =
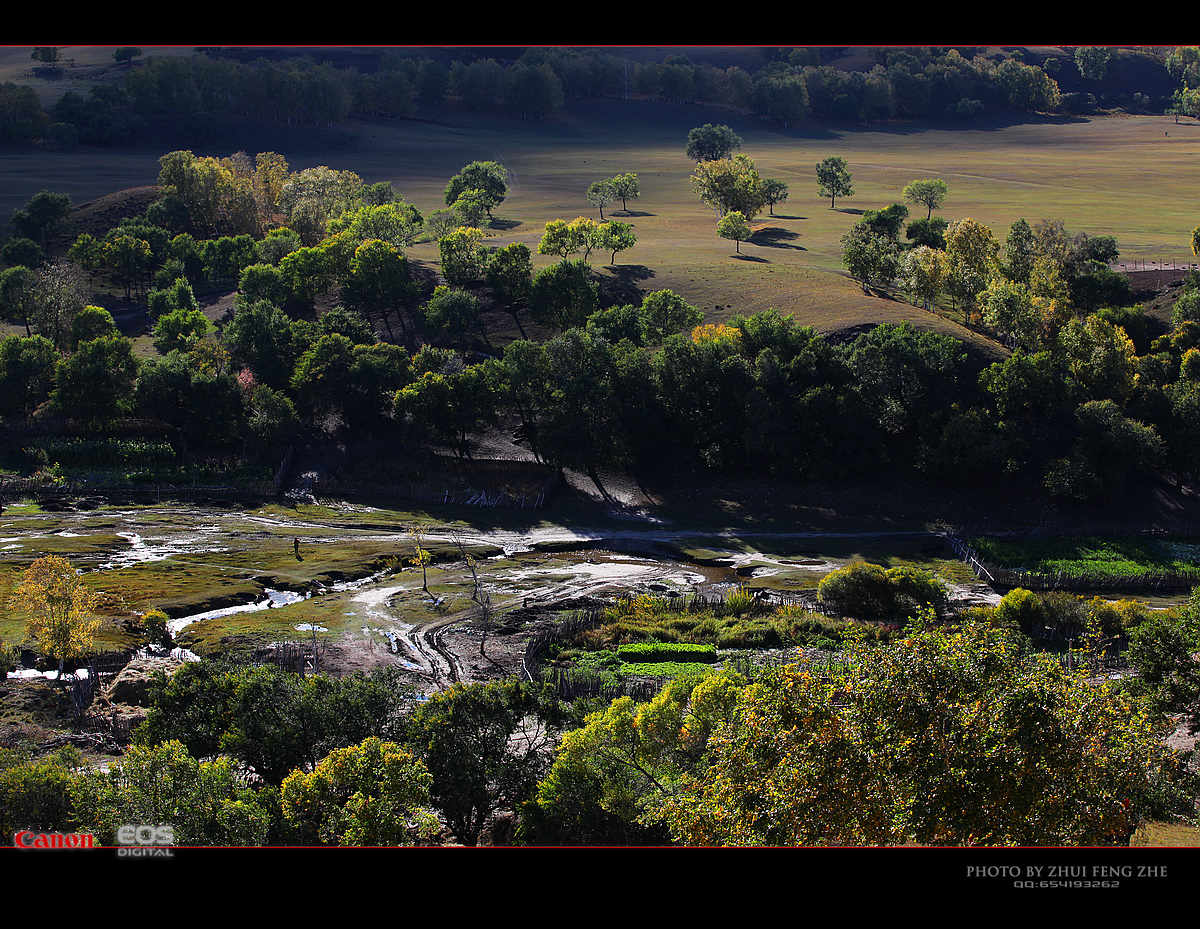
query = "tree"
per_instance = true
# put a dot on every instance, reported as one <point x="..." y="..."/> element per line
<point x="733" y="225"/>
<point x="485" y="747"/>
<point x="564" y="294"/>
<point x="903" y="748"/>
<point x="180" y="330"/>
<point x="626" y="187"/>
<point x="664" y="312"/>
<point x="204" y="802"/>
<point x="774" y="191"/>
<point x="929" y="192"/>
<point x="833" y="179"/>
<point x="1092" y="61"/>
<point x="18" y="295"/>
<point x="510" y="275"/>
<point x="58" y="606"/>
<point x="128" y="259"/>
<point x="489" y="177"/>
<point x="373" y="793"/>
<point x="463" y="255"/>
<point x="1008" y="308"/>
<point x="871" y="259"/>
<point x="27" y="367"/>
<point x="454" y="313"/>
<point x="42" y="215"/>
<point x="730" y="184"/>
<point x="616" y="237"/>
<point x="921" y="274"/>
<point x="710" y="143"/>
<point x="94" y="385"/>
<point x="93" y="322"/>
<point x="971" y="255"/>
<point x="600" y="194"/>
<point x="60" y="293"/>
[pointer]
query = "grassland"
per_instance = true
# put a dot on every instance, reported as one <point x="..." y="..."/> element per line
<point x="1118" y="175"/>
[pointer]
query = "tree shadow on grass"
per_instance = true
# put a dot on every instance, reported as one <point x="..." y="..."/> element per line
<point x="504" y="224"/>
<point x="774" y="237"/>
<point x="851" y="211"/>
<point x="753" y="258"/>
<point x="622" y="286"/>
<point x="784" y="216"/>
<point x="632" y="213"/>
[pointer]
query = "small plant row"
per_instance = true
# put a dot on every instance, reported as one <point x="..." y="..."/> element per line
<point x="640" y="652"/>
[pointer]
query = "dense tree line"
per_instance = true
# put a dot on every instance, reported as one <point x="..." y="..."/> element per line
<point x="205" y="91"/>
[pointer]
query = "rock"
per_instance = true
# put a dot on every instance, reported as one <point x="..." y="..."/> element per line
<point x="132" y="683"/>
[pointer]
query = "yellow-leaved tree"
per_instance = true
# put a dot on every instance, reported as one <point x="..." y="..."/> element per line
<point x="59" y="608"/>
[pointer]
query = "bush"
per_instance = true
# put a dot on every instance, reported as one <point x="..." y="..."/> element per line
<point x="870" y="591"/>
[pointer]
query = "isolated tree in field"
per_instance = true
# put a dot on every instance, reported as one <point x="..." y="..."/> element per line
<point x="1092" y="61"/>
<point x="58" y="606"/>
<point x="616" y="237"/>
<point x="733" y="226"/>
<point x="709" y="142"/>
<point x="929" y="192"/>
<point x="421" y="557"/>
<point x="601" y="194"/>
<point x="489" y="177"/>
<point x="774" y="191"/>
<point x="833" y="179"/>
<point x="626" y="187"/>
<point x="730" y="184"/>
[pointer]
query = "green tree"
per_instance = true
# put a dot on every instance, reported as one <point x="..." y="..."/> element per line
<point x="626" y="187"/>
<point x="205" y="802"/>
<point x="929" y="192"/>
<point x="600" y="194"/>
<point x="733" y="225"/>
<point x="615" y="237"/>
<point x="485" y="746"/>
<point x="774" y="191"/>
<point x="712" y="142"/>
<point x="490" y="177"/>
<point x="730" y="184"/>
<point x="833" y="179"/>
<point x="42" y="216"/>
<point x="373" y="793"/>
<point x="463" y="255"/>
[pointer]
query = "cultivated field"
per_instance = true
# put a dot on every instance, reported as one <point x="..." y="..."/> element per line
<point x="1127" y="176"/>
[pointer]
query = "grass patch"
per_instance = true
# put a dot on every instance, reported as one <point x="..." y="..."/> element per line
<point x="1130" y="559"/>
